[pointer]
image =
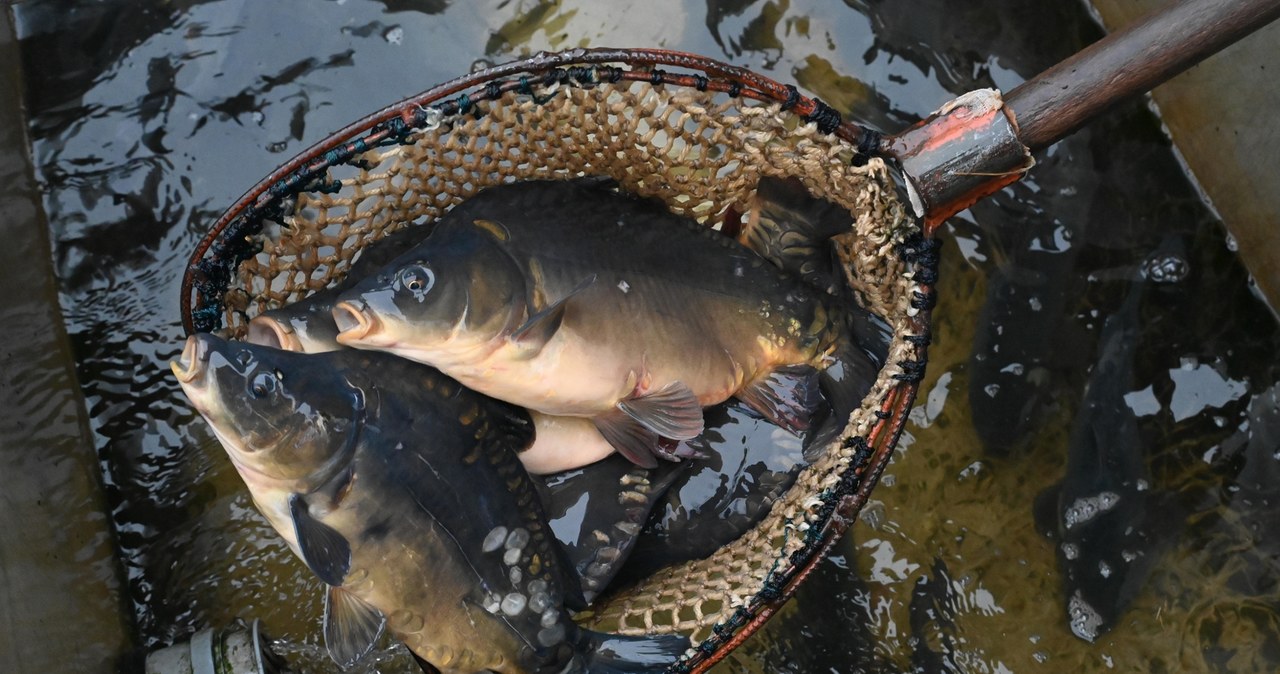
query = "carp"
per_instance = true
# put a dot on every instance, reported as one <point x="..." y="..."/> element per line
<point x="400" y="489"/>
<point x="571" y="299"/>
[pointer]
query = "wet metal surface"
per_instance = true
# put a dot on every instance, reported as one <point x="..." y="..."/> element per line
<point x="148" y="118"/>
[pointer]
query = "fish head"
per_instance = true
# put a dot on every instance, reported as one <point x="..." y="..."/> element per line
<point x="273" y="330"/>
<point x="452" y="296"/>
<point x="305" y="327"/>
<point x="281" y="416"/>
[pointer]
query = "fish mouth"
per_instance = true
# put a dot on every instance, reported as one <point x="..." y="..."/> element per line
<point x="267" y="331"/>
<point x="190" y="365"/>
<point x="354" y="323"/>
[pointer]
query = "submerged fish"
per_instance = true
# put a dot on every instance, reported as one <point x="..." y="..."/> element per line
<point x="401" y="490"/>
<point x="1021" y="345"/>
<point x="750" y="464"/>
<point x="571" y="299"/>
<point x="598" y="512"/>
<point x="1257" y="484"/>
<point x="1110" y="525"/>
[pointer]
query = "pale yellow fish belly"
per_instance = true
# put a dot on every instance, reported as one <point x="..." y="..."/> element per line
<point x="563" y="443"/>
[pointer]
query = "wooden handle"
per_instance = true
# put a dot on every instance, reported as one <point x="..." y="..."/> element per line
<point x="1128" y="62"/>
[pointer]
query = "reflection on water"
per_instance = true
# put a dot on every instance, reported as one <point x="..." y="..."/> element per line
<point x="148" y="118"/>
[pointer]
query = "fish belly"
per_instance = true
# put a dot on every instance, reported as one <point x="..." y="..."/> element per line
<point x="563" y="443"/>
<point x="584" y="373"/>
<point x="568" y="377"/>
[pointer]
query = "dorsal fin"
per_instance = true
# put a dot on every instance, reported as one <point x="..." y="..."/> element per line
<point x="493" y="227"/>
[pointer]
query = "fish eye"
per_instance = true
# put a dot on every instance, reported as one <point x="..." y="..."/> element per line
<point x="417" y="278"/>
<point x="262" y="384"/>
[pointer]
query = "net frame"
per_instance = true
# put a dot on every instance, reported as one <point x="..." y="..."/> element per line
<point x="699" y="139"/>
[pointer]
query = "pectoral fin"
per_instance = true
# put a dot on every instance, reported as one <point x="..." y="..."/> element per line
<point x="351" y="626"/>
<point x="324" y="550"/>
<point x="541" y="326"/>
<point x="672" y="411"/>
<point x="786" y="396"/>
<point x="632" y="440"/>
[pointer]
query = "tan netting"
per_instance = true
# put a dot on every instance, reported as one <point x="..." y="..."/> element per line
<point x="700" y="152"/>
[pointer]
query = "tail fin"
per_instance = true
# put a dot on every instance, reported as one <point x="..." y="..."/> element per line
<point x="617" y="654"/>
<point x="598" y="554"/>
<point x="790" y="228"/>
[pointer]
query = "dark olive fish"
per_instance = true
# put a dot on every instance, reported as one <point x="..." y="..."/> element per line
<point x="307" y="326"/>
<point x="401" y="490"/>
<point x="571" y="299"/>
<point x="1109" y="524"/>
<point x="312" y="332"/>
<point x="596" y="512"/>
<point x="1020" y="345"/>
<point x="1026" y="352"/>
<point x="931" y="619"/>
<point x="1257" y="493"/>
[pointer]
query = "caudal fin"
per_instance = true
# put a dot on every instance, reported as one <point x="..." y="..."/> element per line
<point x="617" y="654"/>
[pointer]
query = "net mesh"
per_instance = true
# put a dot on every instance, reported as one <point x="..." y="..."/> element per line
<point x="702" y="153"/>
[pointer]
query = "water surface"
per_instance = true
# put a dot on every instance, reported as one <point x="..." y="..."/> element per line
<point x="149" y="118"/>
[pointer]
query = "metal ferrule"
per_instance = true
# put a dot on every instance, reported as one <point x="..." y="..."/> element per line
<point x="963" y="152"/>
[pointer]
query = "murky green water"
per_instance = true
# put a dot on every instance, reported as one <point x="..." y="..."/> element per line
<point x="149" y="118"/>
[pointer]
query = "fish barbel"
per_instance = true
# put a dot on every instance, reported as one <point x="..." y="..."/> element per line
<point x="401" y="491"/>
<point x="571" y="299"/>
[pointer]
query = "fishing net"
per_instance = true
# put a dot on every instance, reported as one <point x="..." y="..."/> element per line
<point x="698" y="137"/>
